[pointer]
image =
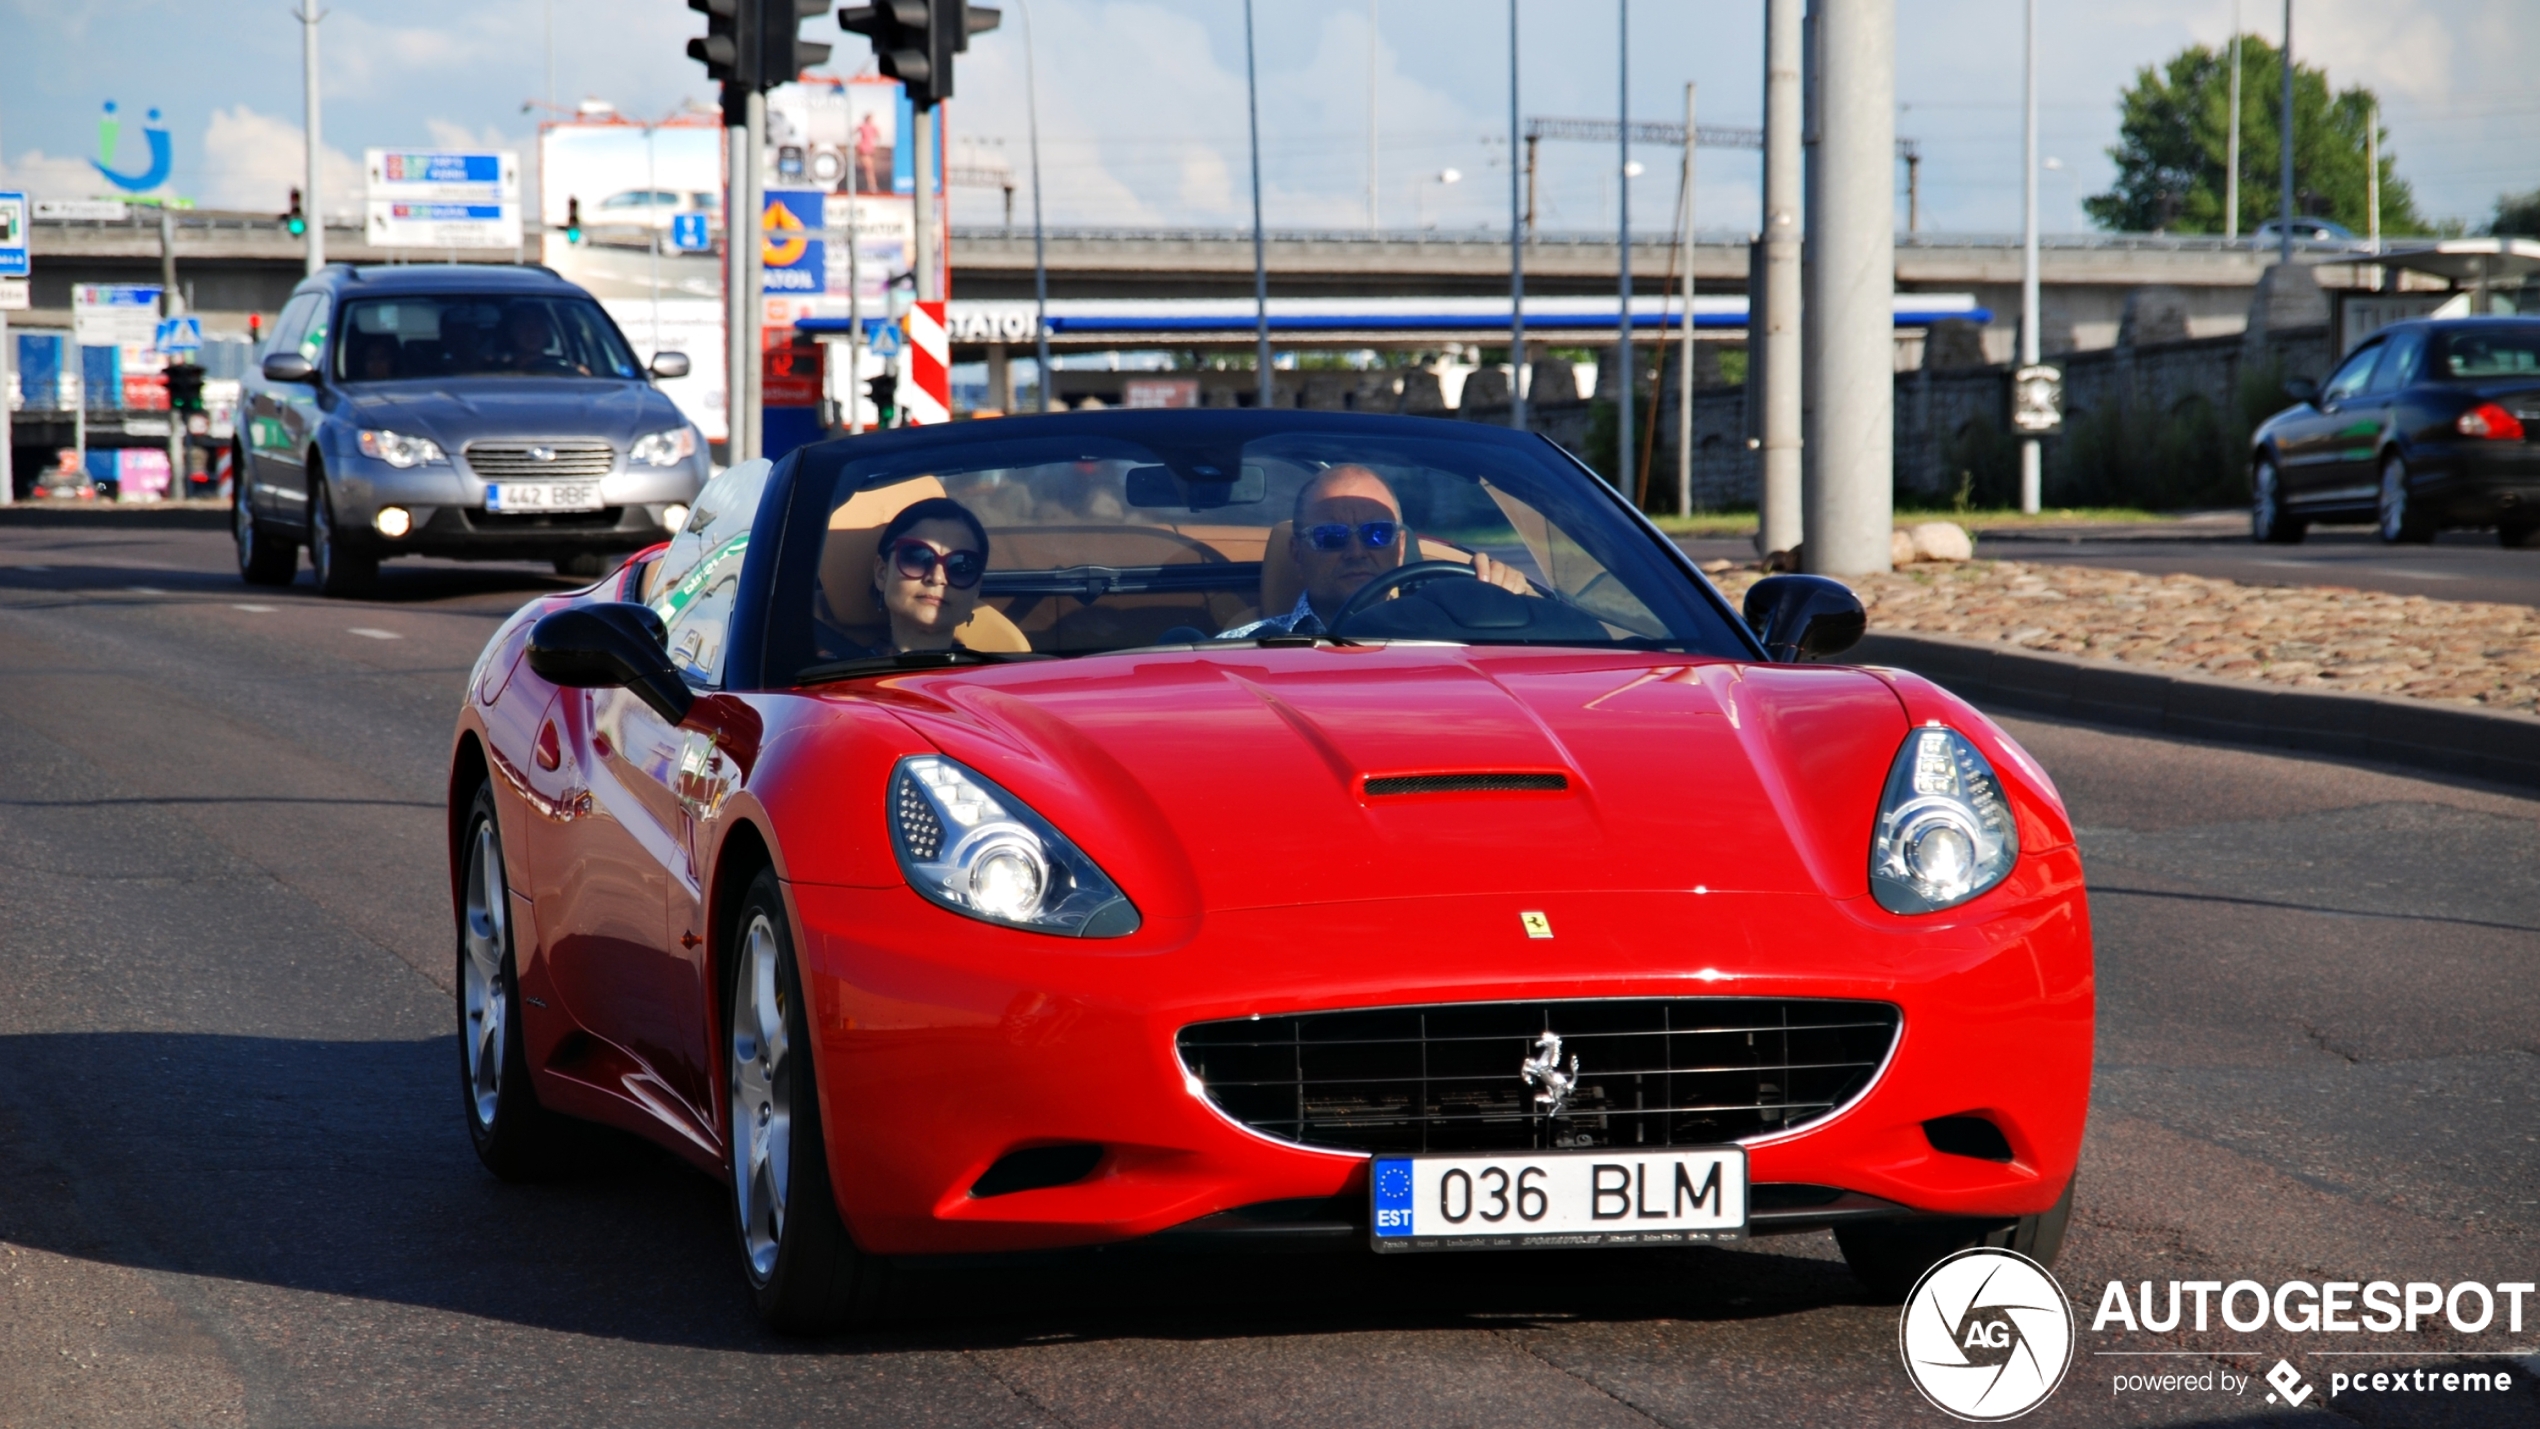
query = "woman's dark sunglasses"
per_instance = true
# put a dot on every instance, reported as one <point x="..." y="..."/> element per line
<point x="1379" y="535"/>
<point x="915" y="560"/>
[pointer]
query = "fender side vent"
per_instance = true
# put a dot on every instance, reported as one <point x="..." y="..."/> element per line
<point x="1478" y="782"/>
<point x="1036" y="1168"/>
<point x="1968" y="1136"/>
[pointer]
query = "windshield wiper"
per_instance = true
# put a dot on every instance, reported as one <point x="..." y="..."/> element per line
<point x="904" y="660"/>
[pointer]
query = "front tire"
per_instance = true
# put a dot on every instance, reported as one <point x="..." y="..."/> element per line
<point x="804" y="1270"/>
<point x="515" y="1137"/>
<point x="341" y="574"/>
<point x="262" y="560"/>
<point x="2269" y="523"/>
<point x="2403" y="521"/>
<point x="1890" y="1258"/>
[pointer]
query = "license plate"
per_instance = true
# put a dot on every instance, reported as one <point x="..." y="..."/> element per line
<point x="542" y="496"/>
<point x="1520" y="1201"/>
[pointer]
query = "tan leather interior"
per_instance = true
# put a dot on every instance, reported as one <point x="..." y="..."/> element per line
<point x="846" y="571"/>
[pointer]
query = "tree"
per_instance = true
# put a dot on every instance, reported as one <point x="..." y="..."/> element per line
<point x="2517" y="216"/>
<point x="2173" y="133"/>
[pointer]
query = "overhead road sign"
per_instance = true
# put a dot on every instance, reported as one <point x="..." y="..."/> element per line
<point x="442" y="199"/>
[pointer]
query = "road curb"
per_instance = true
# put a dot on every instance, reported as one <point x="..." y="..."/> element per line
<point x="2443" y="738"/>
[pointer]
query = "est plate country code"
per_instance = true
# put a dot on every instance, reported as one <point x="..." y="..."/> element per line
<point x="1521" y="1201"/>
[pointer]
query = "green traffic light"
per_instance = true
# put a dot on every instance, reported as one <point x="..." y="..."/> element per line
<point x="299" y="226"/>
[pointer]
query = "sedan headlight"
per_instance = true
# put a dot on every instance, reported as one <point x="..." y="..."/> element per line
<point x="399" y="450"/>
<point x="668" y="448"/>
<point x="1944" y="833"/>
<point x="977" y="849"/>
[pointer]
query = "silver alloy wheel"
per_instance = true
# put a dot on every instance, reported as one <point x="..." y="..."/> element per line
<point x="488" y="1001"/>
<point x="762" y="1098"/>
<point x="2394" y="499"/>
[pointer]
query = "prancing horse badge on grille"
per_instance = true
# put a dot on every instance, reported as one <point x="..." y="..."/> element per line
<point x="1543" y="1071"/>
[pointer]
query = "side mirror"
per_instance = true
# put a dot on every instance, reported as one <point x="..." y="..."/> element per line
<point x="1802" y="617"/>
<point x="613" y="645"/>
<point x="670" y="364"/>
<point x="2301" y="389"/>
<point x="288" y="367"/>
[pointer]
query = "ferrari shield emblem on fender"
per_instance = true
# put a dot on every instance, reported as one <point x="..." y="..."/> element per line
<point x="1537" y="925"/>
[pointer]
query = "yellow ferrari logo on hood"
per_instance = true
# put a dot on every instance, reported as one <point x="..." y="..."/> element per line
<point x="1537" y="925"/>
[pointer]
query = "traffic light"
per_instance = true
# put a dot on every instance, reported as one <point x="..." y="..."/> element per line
<point x="721" y="49"/>
<point x="754" y="44"/>
<point x="295" y="222"/>
<point x="185" y="387"/>
<point x="573" y="220"/>
<point x="885" y="394"/>
<point x="783" y="54"/>
<point x="915" y="40"/>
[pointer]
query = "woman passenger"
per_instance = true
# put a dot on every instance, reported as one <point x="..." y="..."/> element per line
<point x="926" y="571"/>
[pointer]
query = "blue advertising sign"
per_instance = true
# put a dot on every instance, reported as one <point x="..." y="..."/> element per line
<point x="13" y="252"/>
<point x="688" y="233"/>
<point x="793" y="260"/>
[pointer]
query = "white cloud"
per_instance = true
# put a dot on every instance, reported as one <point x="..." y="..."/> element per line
<point x="41" y="175"/>
<point x="252" y="161"/>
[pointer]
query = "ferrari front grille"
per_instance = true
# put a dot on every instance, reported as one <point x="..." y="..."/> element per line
<point x="521" y="461"/>
<point x="1541" y="1075"/>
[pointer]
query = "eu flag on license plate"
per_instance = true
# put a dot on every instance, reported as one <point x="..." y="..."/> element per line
<point x="1393" y="1197"/>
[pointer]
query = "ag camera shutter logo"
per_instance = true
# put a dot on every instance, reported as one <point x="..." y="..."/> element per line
<point x="1986" y="1335"/>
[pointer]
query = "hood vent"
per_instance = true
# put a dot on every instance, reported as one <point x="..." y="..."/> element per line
<point x="1480" y="781"/>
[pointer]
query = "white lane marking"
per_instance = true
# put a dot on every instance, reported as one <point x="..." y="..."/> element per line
<point x="255" y="609"/>
<point x="30" y="568"/>
<point x="145" y="590"/>
<point x="364" y="630"/>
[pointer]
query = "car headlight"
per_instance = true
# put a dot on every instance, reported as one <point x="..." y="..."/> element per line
<point x="399" y="450"/>
<point x="668" y="448"/>
<point x="1944" y="832"/>
<point x="977" y="849"/>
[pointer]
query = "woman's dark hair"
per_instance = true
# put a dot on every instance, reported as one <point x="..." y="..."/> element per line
<point x="933" y="508"/>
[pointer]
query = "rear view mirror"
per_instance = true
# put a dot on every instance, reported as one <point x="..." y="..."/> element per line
<point x="1804" y="617"/>
<point x="1208" y="488"/>
<point x="288" y="367"/>
<point x="611" y="645"/>
<point x="2301" y="389"/>
<point x="670" y="364"/>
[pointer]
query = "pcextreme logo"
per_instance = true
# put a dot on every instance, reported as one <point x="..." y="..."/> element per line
<point x="1986" y="1335"/>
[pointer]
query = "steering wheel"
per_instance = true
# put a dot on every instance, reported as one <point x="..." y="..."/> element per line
<point x="1400" y="578"/>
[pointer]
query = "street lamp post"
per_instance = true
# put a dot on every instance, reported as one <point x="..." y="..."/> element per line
<point x="1260" y="250"/>
<point x="2032" y="456"/>
<point x="1516" y="249"/>
<point x="1040" y="250"/>
<point x="1623" y="251"/>
<point x="309" y="16"/>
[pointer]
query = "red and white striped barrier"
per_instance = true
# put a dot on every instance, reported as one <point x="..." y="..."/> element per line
<point x="926" y="383"/>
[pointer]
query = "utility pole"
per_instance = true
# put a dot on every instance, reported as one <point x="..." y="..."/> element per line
<point x="2231" y="147"/>
<point x="2284" y="237"/>
<point x="1371" y="117"/>
<point x="309" y="16"/>
<point x="1516" y="245"/>
<point x="1040" y="251"/>
<point x="1772" y="329"/>
<point x="1851" y="496"/>
<point x="1260" y="251"/>
<point x="1684" y="374"/>
<point x="1623" y="426"/>
<point x="2032" y="456"/>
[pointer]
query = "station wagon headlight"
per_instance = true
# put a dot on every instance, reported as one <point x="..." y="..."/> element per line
<point x="399" y="450"/>
<point x="668" y="448"/>
<point x="1945" y="833"/>
<point x="978" y="850"/>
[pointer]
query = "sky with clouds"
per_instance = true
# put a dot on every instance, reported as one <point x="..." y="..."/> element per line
<point x="1142" y="101"/>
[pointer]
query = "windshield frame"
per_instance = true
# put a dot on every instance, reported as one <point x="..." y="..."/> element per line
<point x="807" y="480"/>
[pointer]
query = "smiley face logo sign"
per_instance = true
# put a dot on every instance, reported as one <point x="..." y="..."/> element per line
<point x="1986" y="1335"/>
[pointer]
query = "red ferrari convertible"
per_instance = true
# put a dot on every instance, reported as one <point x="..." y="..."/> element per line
<point x="1212" y="826"/>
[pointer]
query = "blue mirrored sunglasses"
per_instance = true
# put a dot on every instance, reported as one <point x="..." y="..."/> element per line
<point x="1379" y="535"/>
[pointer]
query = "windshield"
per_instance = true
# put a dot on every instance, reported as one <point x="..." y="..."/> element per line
<point x="396" y="339"/>
<point x="2505" y="350"/>
<point x="1079" y="535"/>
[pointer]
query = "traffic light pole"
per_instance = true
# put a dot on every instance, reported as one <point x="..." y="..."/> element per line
<point x="309" y="18"/>
<point x="922" y="248"/>
<point x="740" y="334"/>
<point x="754" y="312"/>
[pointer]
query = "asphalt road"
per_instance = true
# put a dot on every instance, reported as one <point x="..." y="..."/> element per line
<point x="235" y="1189"/>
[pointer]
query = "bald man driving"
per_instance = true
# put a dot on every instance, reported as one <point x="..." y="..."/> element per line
<point x="1348" y="531"/>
